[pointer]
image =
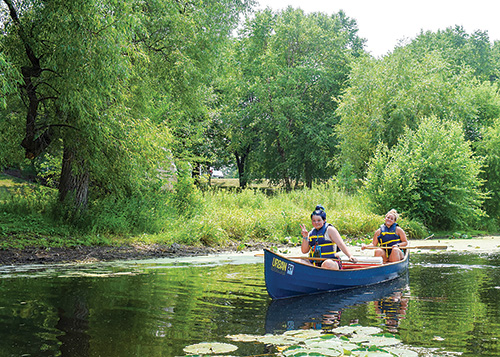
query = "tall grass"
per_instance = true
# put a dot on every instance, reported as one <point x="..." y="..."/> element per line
<point x="251" y="216"/>
<point x="203" y="218"/>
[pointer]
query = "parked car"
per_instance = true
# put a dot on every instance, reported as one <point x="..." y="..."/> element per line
<point x="217" y="174"/>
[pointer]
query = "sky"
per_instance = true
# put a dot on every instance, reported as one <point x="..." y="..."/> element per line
<point x="384" y="23"/>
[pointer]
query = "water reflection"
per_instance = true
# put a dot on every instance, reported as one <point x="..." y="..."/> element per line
<point x="74" y="324"/>
<point x="156" y="308"/>
<point x="324" y="311"/>
<point x="392" y="309"/>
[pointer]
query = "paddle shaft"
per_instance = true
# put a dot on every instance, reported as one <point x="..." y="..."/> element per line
<point x="414" y="247"/>
<point x="315" y="259"/>
<point x="307" y="258"/>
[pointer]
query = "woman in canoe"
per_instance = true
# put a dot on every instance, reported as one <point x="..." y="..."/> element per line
<point x="389" y="235"/>
<point x="322" y="242"/>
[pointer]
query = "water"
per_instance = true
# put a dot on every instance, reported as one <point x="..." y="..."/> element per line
<point x="449" y="302"/>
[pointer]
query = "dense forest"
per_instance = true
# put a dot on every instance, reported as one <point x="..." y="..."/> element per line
<point x="120" y="108"/>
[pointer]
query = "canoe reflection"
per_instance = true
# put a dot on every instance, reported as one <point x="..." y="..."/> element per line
<point x="324" y="310"/>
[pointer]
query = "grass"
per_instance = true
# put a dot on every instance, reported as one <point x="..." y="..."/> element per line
<point x="8" y="184"/>
<point x="213" y="217"/>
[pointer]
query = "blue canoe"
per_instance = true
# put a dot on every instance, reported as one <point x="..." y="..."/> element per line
<point x="315" y="310"/>
<point x="286" y="278"/>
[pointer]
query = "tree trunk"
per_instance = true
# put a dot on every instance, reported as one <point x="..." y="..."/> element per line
<point x="34" y="142"/>
<point x="74" y="178"/>
<point x="240" y="163"/>
<point x="308" y="176"/>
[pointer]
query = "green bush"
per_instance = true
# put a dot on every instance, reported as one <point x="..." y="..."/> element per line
<point x="186" y="195"/>
<point x="489" y="148"/>
<point x="430" y="175"/>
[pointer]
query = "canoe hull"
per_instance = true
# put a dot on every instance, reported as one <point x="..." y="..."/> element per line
<point x="286" y="278"/>
<point x="313" y="310"/>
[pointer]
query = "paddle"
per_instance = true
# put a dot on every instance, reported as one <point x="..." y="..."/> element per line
<point x="414" y="247"/>
<point x="305" y="257"/>
<point x="318" y="259"/>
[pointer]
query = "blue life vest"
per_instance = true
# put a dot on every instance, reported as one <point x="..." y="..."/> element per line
<point x="320" y="246"/>
<point x="388" y="236"/>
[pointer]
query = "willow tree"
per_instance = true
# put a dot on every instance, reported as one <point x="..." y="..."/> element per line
<point x="75" y="63"/>
<point x="108" y="85"/>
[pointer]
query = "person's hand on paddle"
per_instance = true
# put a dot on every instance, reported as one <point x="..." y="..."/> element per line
<point x="353" y="259"/>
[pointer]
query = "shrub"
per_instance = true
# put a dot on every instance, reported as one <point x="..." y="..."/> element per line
<point x="489" y="148"/>
<point x="186" y="195"/>
<point x="430" y="175"/>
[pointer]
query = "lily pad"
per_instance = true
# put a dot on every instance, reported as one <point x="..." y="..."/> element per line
<point x="303" y="334"/>
<point x="401" y="352"/>
<point x="371" y="354"/>
<point x="345" y="330"/>
<point x="360" y="338"/>
<point x="359" y="330"/>
<point x="277" y="340"/>
<point x="367" y="330"/>
<point x="210" y="348"/>
<point x="243" y="337"/>
<point x="304" y="351"/>
<point x="382" y="341"/>
<point x="320" y="343"/>
<point x="330" y="352"/>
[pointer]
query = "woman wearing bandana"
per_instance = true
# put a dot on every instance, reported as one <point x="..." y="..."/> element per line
<point x="322" y="242"/>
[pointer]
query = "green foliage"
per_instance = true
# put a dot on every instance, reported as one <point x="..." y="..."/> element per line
<point x="430" y="175"/>
<point x="221" y="218"/>
<point x="29" y="199"/>
<point x="278" y="109"/>
<point x="457" y="46"/>
<point x="122" y="86"/>
<point x="398" y="91"/>
<point x="413" y="228"/>
<point x="347" y="179"/>
<point x="186" y="195"/>
<point x="489" y="148"/>
<point x="10" y="78"/>
<point x="11" y="134"/>
<point x="48" y="169"/>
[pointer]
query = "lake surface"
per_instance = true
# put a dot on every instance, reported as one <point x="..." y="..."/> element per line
<point x="448" y="303"/>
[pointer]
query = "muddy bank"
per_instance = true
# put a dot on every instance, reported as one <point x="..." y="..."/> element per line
<point x="86" y="254"/>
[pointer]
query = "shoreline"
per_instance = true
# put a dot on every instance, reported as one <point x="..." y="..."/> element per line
<point x="93" y="254"/>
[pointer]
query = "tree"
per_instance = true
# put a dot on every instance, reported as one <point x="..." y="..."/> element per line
<point x="74" y="60"/>
<point x="460" y="48"/>
<point x="107" y="85"/>
<point x="388" y="95"/>
<point x="430" y="174"/>
<point x="292" y="65"/>
<point x="184" y="42"/>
